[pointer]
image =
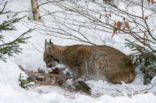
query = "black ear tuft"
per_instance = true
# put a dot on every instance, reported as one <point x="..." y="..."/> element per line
<point x="50" y="42"/>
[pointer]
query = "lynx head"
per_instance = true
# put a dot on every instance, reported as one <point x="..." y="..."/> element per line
<point x="49" y="54"/>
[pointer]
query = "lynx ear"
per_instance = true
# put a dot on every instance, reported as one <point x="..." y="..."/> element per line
<point x="48" y="45"/>
<point x="51" y="42"/>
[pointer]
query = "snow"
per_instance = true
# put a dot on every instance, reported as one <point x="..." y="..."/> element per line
<point x="32" y="59"/>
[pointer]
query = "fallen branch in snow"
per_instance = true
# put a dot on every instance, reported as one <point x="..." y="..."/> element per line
<point x="130" y="92"/>
<point x="146" y="90"/>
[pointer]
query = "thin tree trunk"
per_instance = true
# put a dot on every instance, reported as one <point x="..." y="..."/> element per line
<point x="35" y="10"/>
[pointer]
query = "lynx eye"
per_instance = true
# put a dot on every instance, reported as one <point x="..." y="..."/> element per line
<point x="53" y="58"/>
<point x="56" y="60"/>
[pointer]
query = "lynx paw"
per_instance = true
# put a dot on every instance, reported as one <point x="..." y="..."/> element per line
<point x="82" y="86"/>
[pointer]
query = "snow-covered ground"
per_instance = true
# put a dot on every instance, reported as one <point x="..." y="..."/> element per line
<point x="32" y="59"/>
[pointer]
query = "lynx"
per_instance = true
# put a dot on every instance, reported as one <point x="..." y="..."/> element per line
<point x="91" y="62"/>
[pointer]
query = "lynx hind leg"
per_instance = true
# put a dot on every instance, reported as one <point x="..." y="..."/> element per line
<point x="126" y="77"/>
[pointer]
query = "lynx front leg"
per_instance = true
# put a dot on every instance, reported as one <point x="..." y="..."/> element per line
<point x="79" y="83"/>
<point x="82" y="72"/>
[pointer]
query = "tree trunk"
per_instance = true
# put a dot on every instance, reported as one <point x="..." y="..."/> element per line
<point x="35" y="10"/>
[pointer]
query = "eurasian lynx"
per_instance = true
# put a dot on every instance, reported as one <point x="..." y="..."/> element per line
<point x="91" y="62"/>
